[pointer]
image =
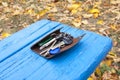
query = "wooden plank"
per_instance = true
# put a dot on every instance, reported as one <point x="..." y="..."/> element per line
<point x="15" y="48"/>
<point x="22" y="55"/>
<point x="75" y="64"/>
<point x="17" y="37"/>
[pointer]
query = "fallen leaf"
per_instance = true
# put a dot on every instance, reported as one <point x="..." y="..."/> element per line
<point x="115" y="2"/>
<point x="5" y="4"/>
<point x="74" y="7"/>
<point x="7" y="9"/>
<point x="94" y="10"/>
<point x="113" y="70"/>
<point x="108" y="62"/>
<point x="87" y="15"/>
<point x="100" y="22"/>
<point x="5" y="34"/>
<point x="30" y="11"/>
<point x="71" y="1"/>
<point x="51" y="15"/>
<point x="54" y="9"/>
<point x="1" y="30"/>
<point x="98" y="72"/>
<point x="90" y="78"/>
<point x="113" y="26"/>
<point x="74" y="11"/>
<point x="76" y="22"/>
<point x="95" y="15"/>
<point x="111" y="55"/>
<point x="16" y="12"/>
<point x="43" y="12"/>
<point x="85" y="22"/>
<point x="97" y="4"/>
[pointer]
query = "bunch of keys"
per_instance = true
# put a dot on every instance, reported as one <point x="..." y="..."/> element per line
<point x="65" y="39"/>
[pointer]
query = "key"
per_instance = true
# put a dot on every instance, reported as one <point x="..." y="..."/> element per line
<point x="46" y="50"/>
<point x="48" y="43"/>
<point x="58" y="45"/>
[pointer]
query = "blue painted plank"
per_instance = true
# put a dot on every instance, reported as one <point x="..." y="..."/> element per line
<point x="23" y="52"/>
<point x="75" y="64"/>
<point x="17" y="37"/>
<point x="4" y="63"/>
<point x="15" y="48"/>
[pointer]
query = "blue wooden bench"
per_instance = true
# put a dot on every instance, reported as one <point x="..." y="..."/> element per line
<point x="19" y="62"/>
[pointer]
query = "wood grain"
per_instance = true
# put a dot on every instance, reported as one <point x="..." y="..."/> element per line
<point x="19" y="62"/>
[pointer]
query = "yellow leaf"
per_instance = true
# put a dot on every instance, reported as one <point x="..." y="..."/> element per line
<point x="76" y="22"/>
<point x="74" y="11"/>
<point x="95" y="15"/>
<point x="43" y="12"/>
<point x="111" y="55"/>
<point x="74" y="6"/>
<point x="30" y="11"/>
<point x="98" y="72"/>
<point x="100" y="22"/>
<point x="97" y="4"/>
<point x="108" y="62"/>
<point x="114" y="27"/>
<point x="4" y="35"/>
<point x="94" y="10"/>
<point x="51" y="15"/>
<point x="90" y="78"/>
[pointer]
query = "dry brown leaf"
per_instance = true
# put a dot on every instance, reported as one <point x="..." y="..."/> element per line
<point x="115" y="2"/>
<point x="16" y="12"/>
<point x="54" y="9"/>
<point x="87" y="15"/>
<point x="71" y="1"/>
<point x="85" y="22"/>
<point x="5" y="4"/>
<point x="1" y="30"/>
<point x="76" y="24"/>
<point x="7" y="9"/>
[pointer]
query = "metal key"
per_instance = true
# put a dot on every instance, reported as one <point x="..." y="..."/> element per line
<point x="46" y="50"/>
<point x="48" y="43"/>
<point x="58" y="45"/>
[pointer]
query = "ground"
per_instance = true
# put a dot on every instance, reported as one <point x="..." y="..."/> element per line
<point x="100" y="16"/>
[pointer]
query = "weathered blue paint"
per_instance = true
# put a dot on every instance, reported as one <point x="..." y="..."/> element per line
<point x="19" y="62"/>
